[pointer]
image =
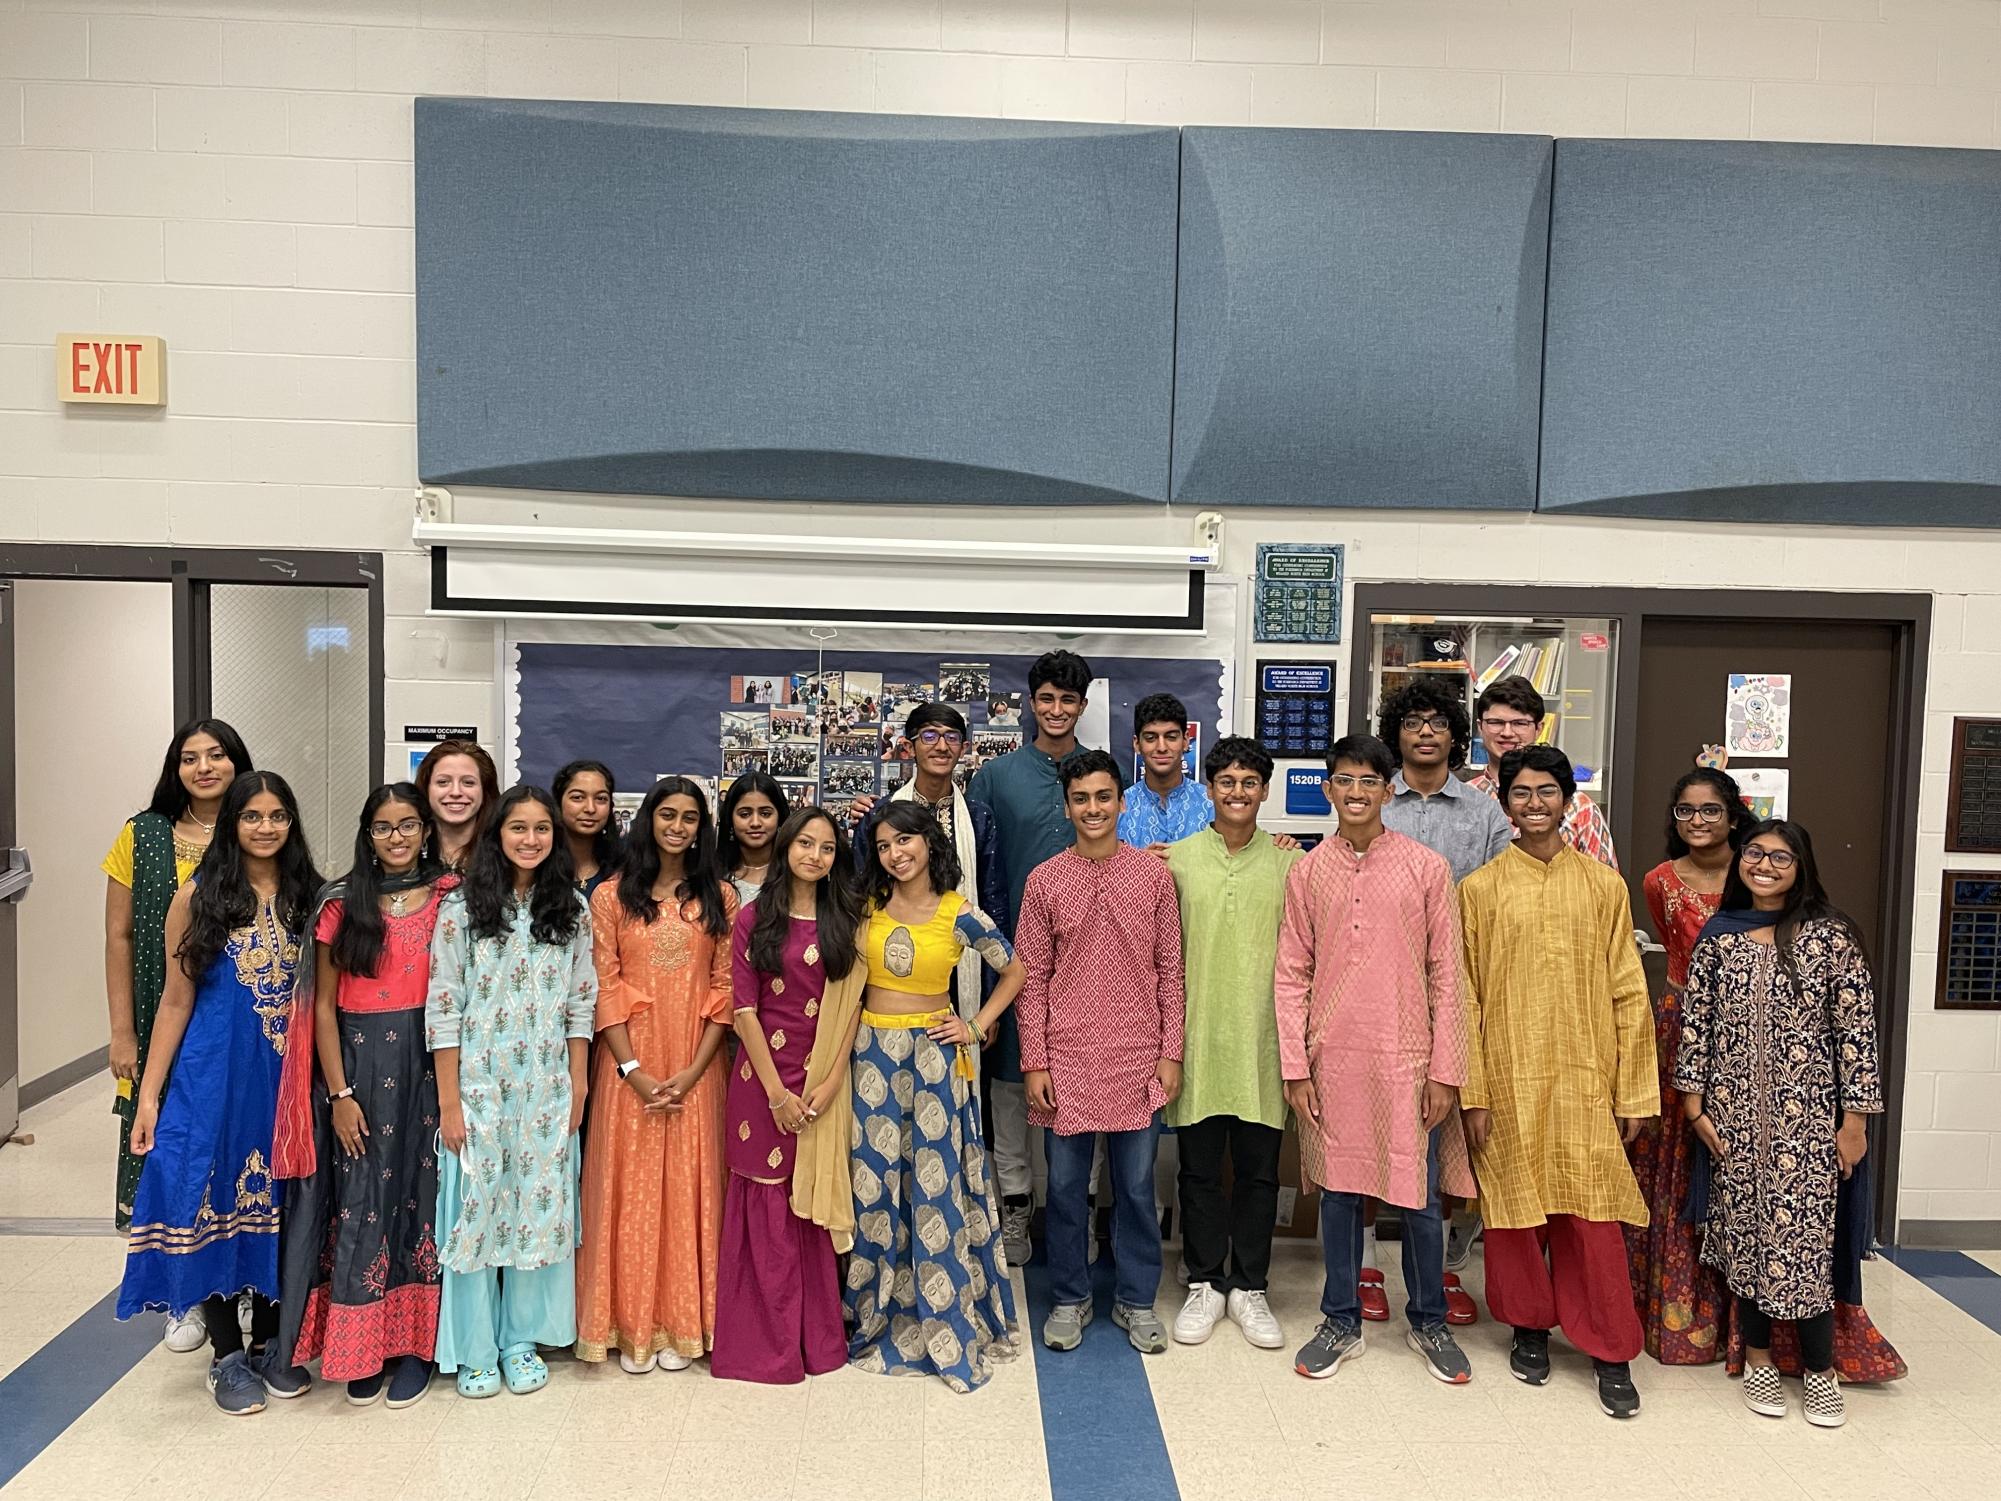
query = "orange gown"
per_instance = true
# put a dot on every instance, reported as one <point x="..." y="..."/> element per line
<point x="653" y="1184"/>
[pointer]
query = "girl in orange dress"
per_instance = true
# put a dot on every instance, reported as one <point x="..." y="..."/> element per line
<point x="653" y="1165"/>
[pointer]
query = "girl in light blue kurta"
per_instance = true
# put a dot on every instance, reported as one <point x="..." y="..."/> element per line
<point x="512" y="1004"/>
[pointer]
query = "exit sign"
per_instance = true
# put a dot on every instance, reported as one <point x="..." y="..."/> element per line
<point x="122" y="369"/>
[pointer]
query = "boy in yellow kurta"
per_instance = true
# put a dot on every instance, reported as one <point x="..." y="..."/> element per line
<point x="1564" y="1073"/>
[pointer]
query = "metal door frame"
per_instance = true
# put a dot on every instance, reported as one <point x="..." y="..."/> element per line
<point x="1910" y="618"/>
<point x="191" y="571"/>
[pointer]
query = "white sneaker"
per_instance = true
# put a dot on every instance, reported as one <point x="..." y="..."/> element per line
<point x="1251" y="1313"/>
<point x="672" y="1360"/>
<point x="1197" y="1319"/>
<point x="633" y="1367"/>
<point x="186" y="1335"/>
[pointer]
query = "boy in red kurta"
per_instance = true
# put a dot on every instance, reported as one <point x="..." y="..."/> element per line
<point x="1101" y="1016"/>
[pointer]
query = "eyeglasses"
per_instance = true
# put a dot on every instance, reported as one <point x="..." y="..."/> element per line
<point x="1348" y="783"/>
<point x="1521" y="794"/>
<point x="408" y="828"/>
<point x="1757" y="854"/>
<point x="279" y="820"/>
<point x="1704" y="813"/>
<point x="1238" y="784"/>
<point x="1501" y="726"/>
<point x="940" y="737"/>
<point x="1416" y="722"/>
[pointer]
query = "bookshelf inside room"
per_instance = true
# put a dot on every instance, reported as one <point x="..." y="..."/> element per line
<point x="1570" y="659"/>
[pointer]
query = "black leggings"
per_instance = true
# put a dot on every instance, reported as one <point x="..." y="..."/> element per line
<point x="225" y="1333"/>
<point x="1816" y="1335"/>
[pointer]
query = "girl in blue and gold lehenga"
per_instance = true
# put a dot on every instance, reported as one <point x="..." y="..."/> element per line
<point x="205" y="1218"/>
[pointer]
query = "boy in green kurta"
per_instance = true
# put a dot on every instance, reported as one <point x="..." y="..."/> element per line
<point x="1231" y="882"/>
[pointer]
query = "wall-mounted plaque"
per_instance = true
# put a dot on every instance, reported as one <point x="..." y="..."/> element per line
<point x="1969" y="942"/>
<point x="1973" y="799"/>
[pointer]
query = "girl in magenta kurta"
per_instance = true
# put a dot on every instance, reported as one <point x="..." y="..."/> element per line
<point x="778" y="1304"/>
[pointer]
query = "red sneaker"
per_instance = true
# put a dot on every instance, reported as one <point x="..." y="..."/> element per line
<point x="1375" y="1302"/>
<point x="1459" y="1305"/>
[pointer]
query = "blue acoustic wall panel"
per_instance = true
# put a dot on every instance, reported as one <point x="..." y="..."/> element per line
<point x="647" y="299"/>
<point x="1774" y="333"/>
<point x="1360" y="318"/>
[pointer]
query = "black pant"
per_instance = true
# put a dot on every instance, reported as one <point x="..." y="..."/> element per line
<point x="225" y="1333"/>
<point x="1233" y="1233"/>
<point x="1816" y="1335"/>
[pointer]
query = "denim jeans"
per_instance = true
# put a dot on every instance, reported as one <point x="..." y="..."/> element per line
<point x="1135" y="1221"/>
<point x="1423" y="1254"/>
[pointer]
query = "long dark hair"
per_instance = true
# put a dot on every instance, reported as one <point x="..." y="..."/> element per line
<point x="701" y="876"/>
<point x="170" y="796"/>
<point x="728" y="854"/>
<point x="1728" y="793"/>
<point x="604" y="845"/>
<point x="553" y="906"/>
<point x="1806" y="899"/>
<point x="836" y="910"/>
<point x="223" y="899"/>
<point x="357" y="947"/>
<point x="911" y="817"/>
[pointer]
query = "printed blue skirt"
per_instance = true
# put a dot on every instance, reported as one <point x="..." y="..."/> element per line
<point x="927" y="1290"/>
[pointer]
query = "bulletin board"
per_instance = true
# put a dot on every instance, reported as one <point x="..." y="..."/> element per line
<point x="821" y="709"/>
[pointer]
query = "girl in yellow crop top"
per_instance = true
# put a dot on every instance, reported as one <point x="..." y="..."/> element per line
<point x="926" y="1215"/>
<point x="915" y="934"/>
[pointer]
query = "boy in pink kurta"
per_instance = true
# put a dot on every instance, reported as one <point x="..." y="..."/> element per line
<point x="1101" y="1018"/>
<point x="1373" y="1047"/>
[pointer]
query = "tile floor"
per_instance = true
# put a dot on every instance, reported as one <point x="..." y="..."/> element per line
<point x="1236" y="1422"/>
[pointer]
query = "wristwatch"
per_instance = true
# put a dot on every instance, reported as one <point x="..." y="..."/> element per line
<point x="345" y="1094"/>
<point x="627" y="1068"/>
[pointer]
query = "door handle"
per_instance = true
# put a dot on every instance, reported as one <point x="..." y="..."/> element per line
<point x="16" y="876"/>
<point x="1647" y="945"/>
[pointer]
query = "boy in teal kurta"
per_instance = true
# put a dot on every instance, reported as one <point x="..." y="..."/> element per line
<point x="1231" y="882"/>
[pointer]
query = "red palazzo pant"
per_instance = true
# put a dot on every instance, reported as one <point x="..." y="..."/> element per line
<point x="1569" y="1273"/>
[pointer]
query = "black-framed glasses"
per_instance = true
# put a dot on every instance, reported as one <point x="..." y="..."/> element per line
<point x="930" y="736"/>
<point x="1757" y="854"/>
<point x="1699" y="812"/>
<point x="1435" y="722"/>
<point x="409" y="828"/>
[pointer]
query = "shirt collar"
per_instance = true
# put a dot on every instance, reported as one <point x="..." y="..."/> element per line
<point x="1149" y="798"/>
<point x="1453" y="787"/>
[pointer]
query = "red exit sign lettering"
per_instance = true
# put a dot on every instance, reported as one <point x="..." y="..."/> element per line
<point x="122" y="369"/>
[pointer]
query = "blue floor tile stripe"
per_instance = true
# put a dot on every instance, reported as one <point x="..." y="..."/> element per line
<point x="1099" y="1425"/>
<point x="1958" y="1278"/>
<point x="56" y="1385"/>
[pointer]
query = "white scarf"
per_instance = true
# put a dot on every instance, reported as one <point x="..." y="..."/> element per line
<point x="970" y="964"/>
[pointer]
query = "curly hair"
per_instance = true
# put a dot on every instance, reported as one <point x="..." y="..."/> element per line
<point x="1425" y="695"/>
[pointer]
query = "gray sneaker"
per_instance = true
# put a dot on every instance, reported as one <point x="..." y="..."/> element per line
<point x="280" y="1380"/>
<point x="237" y="1390"/>
<point x="1331" y="1344"/>
<point x="1142" y="1327"/>
<point x="1014" y="1232"/>
<point x="1459" y="1241"/>
<point x="1442" y="1355"/>
<point x="1064" y="1328"/>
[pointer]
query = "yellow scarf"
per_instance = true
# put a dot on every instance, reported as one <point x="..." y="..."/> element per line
<point x="822" y="1190"/>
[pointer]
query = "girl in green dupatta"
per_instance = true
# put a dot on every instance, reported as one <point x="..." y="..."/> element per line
<point x="155" y="852"/>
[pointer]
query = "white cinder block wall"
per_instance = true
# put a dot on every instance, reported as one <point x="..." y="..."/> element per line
<point x="235" y="176"/>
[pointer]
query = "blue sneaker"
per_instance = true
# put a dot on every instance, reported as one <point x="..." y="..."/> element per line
<point x="411" y="1381"/>
<point x="237" y="1390"/>
<point x="281" y="1380"/>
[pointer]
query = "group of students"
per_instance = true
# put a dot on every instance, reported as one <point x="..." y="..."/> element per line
<point x="748" y="1088"/>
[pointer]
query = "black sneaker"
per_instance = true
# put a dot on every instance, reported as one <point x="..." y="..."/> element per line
<point x="1616" y="1392"/>
<point x="411" y="1381"/>
<point x="1528" y="1356"/>
<point x="366" y="1390"/>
